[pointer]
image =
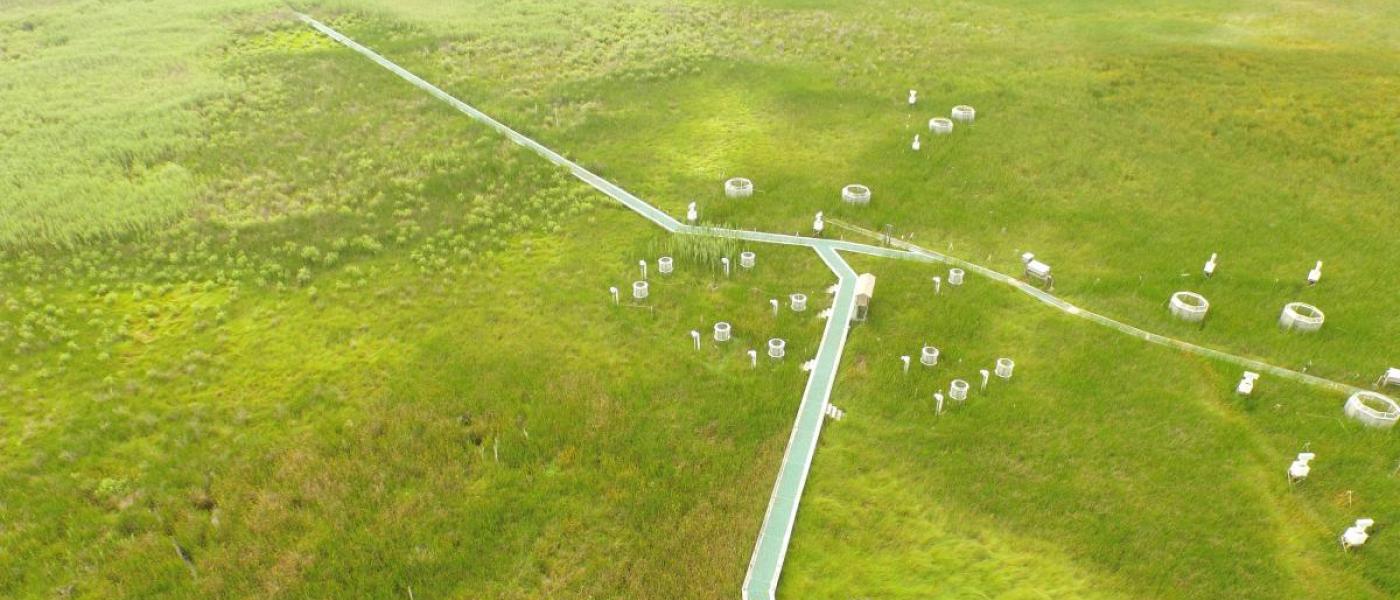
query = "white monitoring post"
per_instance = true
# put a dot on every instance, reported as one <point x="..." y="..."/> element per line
<point x="1299" y="470"/>
<point x="1037" y="270"/>
<point x="753" y="358"/>
<point x="1315" y="274"/>
<point x="937" y="285"/>
<point x="642" y="264"/>
<point x="913" y="97"/>
<point x="691" y="215"/>
<point x="938" y="403"/>
<point x="1390" y="377"/>
<point x="775" y="303"/>
<point x="915" y="145"/>
<point x="1246" y="384"/>
<point x="724" y="261"/>
<point x="1209" y="269"/>
<point x="818" y="225"/>
<point x="613" y="290"/>
<point x="986" y="376"/>
<point x="905" y="360"/>
<point x="695" y="335"/>
<point x="1356" y="535"/>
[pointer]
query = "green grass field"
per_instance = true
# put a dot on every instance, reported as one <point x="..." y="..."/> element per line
<point x="274" y="323"/>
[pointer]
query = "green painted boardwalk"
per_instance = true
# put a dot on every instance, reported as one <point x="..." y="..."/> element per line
<point x="770" y="549"/>
<point x="776" y="531"/>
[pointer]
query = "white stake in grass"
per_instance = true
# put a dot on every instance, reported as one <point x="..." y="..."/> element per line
<point x="1209" y="269"/>
<point x="818" y="225"/>
<point x="986" y="376"/>
<point x="691" y="215"/>
<point x="913" y="97"/>
<point x="937" y="285"/>
<point x="613" y="291"/>
<point x="905" y="359"/>
<point x="775" y="304"/>
<point x="725" y="261"/>
<point x="695" y="335"/>
<point x="1315" y="274"/>
<point x="915" y="145"/>
<point x="938" y="403"/>
<point x="642" y="264"/>
<point x="753" y="358"/>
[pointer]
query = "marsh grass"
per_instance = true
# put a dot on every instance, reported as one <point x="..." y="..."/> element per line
<point x="272" y="317"/>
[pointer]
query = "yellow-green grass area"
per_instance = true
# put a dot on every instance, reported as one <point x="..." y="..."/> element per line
<point x="1122" y="143"/>
<point x="378" y="354"/>
<point x="502" y="433"/>
<point x="1105" y="468"/>
<point x="97" y="102"/>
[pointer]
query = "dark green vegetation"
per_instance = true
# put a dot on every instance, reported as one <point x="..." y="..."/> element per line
<point x="273" y="323"/>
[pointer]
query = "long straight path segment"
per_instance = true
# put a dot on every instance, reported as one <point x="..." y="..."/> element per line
<point x="770" y="550"/>
<point x="1067" y="307"/>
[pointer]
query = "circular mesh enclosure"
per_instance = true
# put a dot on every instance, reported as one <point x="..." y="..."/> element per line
<point x="776" y="348"/>
<point x="928" y="355"/>
<point x="940" y="126"/>
<point x="664" y="265"/>
<point x="639" y="289"/>
<point x="1005" y="367"/>
<point x="721" y="331"/>
<point x="1372" y="409"/>
<point x="798" y="302"/>
<point x="964" y="113"/>
<point x="856" y="194"/>
<point x="738" y="187"/>
<point x="1189" y="306"/>
<point x="1297" y="316"/>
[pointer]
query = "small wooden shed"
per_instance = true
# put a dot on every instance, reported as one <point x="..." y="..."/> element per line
<point x="865" y="290"/>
